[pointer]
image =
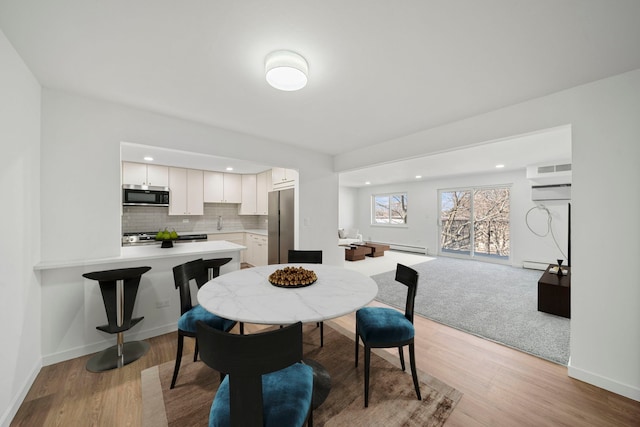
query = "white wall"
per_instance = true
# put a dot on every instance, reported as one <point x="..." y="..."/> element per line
<point x="605" y="301"/>
<point x="347" y="216"/>
<point x="20" y="219"/>
<point x="81" y="168"/>
<point x="422" y="226"/>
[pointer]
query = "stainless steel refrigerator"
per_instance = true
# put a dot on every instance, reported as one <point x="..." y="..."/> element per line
<point x="281" y="225"/>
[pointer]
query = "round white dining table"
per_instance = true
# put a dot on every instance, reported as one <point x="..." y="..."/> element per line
<point x="247" y="295"/>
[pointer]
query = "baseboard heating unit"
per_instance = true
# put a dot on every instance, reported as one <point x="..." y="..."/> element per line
<point x="535" y="265"/>
<point x="408" y="248"/>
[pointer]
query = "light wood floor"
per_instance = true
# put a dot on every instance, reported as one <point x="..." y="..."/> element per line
<point x="501" y="386"/>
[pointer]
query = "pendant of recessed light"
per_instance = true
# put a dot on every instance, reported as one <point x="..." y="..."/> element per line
<point x="286" y="70"/>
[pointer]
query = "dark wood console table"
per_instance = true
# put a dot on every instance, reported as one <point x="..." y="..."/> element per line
<point x="554" y="292"/>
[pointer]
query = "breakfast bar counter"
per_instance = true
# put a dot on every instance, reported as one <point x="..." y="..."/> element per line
<point x="149" y="252"/>
<point x="72" y="306"/>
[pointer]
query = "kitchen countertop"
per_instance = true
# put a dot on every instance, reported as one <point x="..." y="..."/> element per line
<point x="145" y="252"/>
<point x="260" y="231"/>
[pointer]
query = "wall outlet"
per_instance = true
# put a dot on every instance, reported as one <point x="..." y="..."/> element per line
<point x="163" y="304"/>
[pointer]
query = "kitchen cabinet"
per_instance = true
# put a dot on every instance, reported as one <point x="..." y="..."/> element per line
<point x="144" y="174"/>
<point x="222" y="187"/>
<point x="237" y="238"/>
<point x="255" y="194"/>
<point x="186" y="186"/>
<point x="256" y="249"/>
<point x="263" y="185"/>
<point x="282" y="178"/>
<point x="248" y="206"/>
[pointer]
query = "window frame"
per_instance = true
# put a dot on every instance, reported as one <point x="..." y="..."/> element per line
<point x="389" y="195"/>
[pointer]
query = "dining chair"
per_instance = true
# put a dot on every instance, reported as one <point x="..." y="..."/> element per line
<point x="308" y="257"/>
<point x="183" y="274"/>
<point x="265" y="383"/>
<point x="381" y="327"/>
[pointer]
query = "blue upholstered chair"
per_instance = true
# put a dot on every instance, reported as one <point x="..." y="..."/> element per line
<point x="381" y="327"/>
<point x="307" y="257"/>
<point x="183" y="274"/>
<point x="265" y="384"/>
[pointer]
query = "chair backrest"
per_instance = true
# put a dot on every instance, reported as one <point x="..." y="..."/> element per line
<point x="213" y="268"/>
<point x="245" y="358"/>
<point x="108" y="287"/>
<point x="182" y="275"/>
<point x="305" y="257"/>
<point x="409" y="277"/>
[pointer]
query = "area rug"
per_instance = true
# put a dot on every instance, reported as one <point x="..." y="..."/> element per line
<point x="493" y="301"/>
<point x="392" y="399"/>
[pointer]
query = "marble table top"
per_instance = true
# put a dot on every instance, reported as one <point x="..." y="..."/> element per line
<point x="247" y="296"/>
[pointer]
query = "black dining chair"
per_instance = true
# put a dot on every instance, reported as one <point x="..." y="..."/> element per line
<point x="381" y="327"/>
<point x="308" y="257"/>
<point x="183" y="274"/>
<point x="265" y="383"/>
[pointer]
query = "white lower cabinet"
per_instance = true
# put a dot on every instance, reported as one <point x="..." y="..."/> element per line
<point x="237" y="238"/>
<point x="256" y="249"/>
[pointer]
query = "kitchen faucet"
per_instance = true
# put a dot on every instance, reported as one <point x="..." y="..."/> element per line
<point x="220" y="222"/>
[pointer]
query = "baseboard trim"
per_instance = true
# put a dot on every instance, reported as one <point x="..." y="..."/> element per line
<point x="50" y="359"/>
<point x="12" y="410"/>
<point x="626" y="390"/>
<point x="407" y="248"/>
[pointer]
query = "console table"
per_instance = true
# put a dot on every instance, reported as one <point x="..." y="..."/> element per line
<point x="554" y="292"/>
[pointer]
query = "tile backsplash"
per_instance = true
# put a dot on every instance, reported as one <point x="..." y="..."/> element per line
<point x="152" y="218"/>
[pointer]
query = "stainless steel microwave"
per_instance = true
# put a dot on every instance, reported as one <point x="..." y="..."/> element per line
<point x="144" y="195"/>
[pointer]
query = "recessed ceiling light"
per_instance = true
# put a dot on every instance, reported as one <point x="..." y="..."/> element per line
<point x="499" y="166"/>
<point x="418" y="176"/>
<point x="229" y="168"/>
<point x="148" y="158"/>
<point x="286" y="70"/>
<point x="367" y="183"/>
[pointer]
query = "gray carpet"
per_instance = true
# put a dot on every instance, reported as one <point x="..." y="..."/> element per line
<point x="493" y="301"/>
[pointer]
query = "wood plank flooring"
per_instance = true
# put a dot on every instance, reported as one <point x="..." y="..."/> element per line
<point x="501" y="386"/>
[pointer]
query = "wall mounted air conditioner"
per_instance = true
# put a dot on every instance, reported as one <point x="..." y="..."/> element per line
<point x="551" y="192"/>
<point x="550" y="173"/>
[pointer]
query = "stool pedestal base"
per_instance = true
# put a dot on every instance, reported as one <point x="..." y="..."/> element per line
<point x="108" y="359"/>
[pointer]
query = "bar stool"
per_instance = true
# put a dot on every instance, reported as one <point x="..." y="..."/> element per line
<point x="119" y="288"/>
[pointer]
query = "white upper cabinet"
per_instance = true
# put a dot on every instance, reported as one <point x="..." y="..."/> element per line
<point x="143" y="174"/>
<point x="283" y="178"/>
<point x="222" y="187"/>
<point x="248" y="206"/>
<point x="263" y="185"/>
<point x="187" y="191"/>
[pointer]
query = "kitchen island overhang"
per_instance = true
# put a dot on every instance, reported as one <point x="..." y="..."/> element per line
<point x="72" y="306"/>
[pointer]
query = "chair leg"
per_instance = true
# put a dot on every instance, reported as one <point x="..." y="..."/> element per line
<point x="178" y="359"/>
<point x="357" y="340"/>
<point x="321" y="334"/>
<point x="195" y="352"/>
<point x="241" y="328"/>
<point x="414" y="373"/>
<point x="401" y="353"/>
<point x="367" y="362"/>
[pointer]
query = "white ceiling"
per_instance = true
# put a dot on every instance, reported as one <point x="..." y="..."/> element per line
<point x="378" y="69"/>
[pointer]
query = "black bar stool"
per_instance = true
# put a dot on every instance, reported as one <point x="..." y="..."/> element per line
<point x="119" y="288"/>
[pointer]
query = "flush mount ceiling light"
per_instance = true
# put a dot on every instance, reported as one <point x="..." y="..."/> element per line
<point x="286" y="70"/>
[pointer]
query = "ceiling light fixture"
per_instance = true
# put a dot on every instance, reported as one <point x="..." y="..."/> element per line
<point x="148" y="158"/>
<point x="229" y="168"/>
<point x="286" y="70"/>
<point x="499" y="166"/>
<point x="418" y="176"/>
<point x="367" y="183"/>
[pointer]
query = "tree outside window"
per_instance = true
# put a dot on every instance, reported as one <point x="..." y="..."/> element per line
<point x="389" y="209"/>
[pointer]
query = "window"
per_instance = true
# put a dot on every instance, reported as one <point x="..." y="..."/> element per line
<point x="475" y="222"/>
<point x="389" y="209"/>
